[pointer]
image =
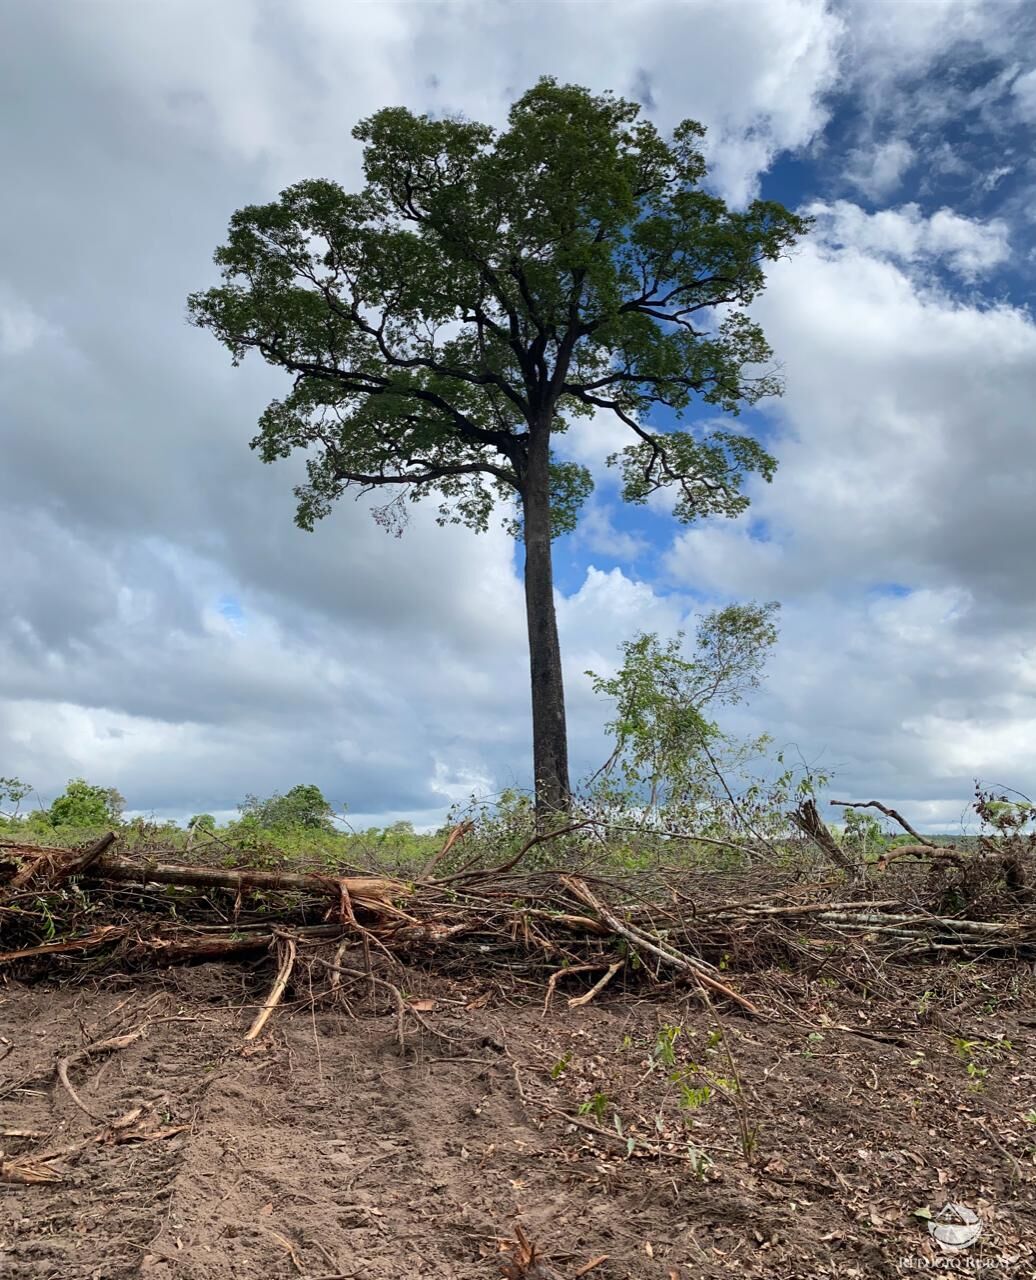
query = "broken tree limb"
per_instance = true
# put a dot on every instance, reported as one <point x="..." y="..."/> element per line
<point x="577" y="1002"/>
<point x="28" y="1171"/>
<point x="106" y="933"/>
<point x="699" y="969"/>
<point x="931" y="852"/>
<point x="811" y="824"/>
<point x="87" y="859"/>
<point x="66" y="1084"/>
<point x="889" y="813"/>
<point x="458" y="833"/>
<point x="110" y="1045"/>
<point x="541" y="837"/>
<point x="54" y="865"/>
<point x="566" y="972"/>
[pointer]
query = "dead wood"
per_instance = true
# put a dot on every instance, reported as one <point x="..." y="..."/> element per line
<point x="86" y="859"/>
<point x="110" y="1045"/>
<point x="28" y="1171"/>
<point x="98" y="938"/>
<point x="577" y="1002"/>
<point x="66" y="1084"/>
<point x="378" y="892"/>
<point x="894" y="814"/>
<point x="533" y="926"/>
<point x="809" y="822"/>
<point x="289" y="951"/>
<point x="458" y="833"/>
<point x="702" y="972"/>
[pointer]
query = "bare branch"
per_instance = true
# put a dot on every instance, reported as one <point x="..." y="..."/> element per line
<point x="889" y="813"/>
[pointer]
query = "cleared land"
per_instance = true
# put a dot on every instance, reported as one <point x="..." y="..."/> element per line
<point x="615" y="1139"/>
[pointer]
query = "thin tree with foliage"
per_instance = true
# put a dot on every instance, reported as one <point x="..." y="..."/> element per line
<point x="664" y="696"/>
<point x="445" y="323"/>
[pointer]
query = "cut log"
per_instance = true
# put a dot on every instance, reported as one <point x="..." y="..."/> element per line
<point x="367" y="890"/>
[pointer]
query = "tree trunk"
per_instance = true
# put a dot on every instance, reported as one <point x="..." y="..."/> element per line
<point x="549" y="734"/>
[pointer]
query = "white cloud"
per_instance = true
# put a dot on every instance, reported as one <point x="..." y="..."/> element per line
<point x="394" y="674"/>
<point x="890" y="41"/>
<point x="597" y="533"/>
<point x="1024" y="91"/>
<point x="899" y="525"/>
<point x="591" y="440"/>
<point x="21" y="328"/>
<point x="940" y="74"/>
<point x="969" y="247"/>
<point x="904" y="441"/>
<point x="285" y="94"/>
<point x="877" y="171"/>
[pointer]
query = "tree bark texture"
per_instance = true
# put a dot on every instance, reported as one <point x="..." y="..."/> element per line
<point x="549" y="733"/>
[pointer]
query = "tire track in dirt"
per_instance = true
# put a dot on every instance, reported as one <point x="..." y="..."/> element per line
<point x="95" y="1223"/>
<point x="342" y="1157"/>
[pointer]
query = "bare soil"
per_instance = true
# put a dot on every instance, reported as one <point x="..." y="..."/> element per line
<point x="621" y="1139"/>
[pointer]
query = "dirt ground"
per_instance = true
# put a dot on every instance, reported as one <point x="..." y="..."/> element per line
<point x="630" y="1137"/>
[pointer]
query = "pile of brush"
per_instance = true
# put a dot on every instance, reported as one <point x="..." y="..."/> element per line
<point x="70" y="911"/>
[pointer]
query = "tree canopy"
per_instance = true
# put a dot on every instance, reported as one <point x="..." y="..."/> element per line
<point x="84" y="805"/>
<point x="303" y="806"/>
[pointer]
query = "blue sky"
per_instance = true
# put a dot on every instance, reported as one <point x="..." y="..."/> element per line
<point x="166" y="628"/>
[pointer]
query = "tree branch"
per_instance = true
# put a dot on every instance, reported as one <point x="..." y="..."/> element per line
<point x="889" y="813"/>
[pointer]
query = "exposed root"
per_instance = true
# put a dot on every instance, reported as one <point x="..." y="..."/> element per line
<point x="66" y="1084"/>
<point x="289" y="950"/>
<point x="577" y="1002"/>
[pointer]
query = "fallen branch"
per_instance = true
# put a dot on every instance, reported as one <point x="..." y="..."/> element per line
<point x="106" y="933"/>
<point x="62" y="1072"/>
<point x="577" y="1002"/>
<point x="87" y="859"/>
<point x="894" y="814"/>
<point x="288" y="954"/>
<point x="100" y="1046"/>
<point x="459" y="831"/>
<point x="28" y="1171"/>
<point x="700" y="970"/>
<point x="809" y="822"/>
<point x="540" y="838"/>
<point x="556" y="977"/>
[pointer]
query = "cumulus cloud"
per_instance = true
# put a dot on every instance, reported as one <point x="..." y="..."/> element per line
<point x="967" y="246"/>
<point x="597" y="533"/>
<point x="897" y="528"/>
<point x="167" y="629"/>
<point x="283" y="94"/>
<point x="904" y="436"/>
<point x="878" y="170"/>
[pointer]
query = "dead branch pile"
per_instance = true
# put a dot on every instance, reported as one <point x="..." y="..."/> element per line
<point x="87" y="909"/>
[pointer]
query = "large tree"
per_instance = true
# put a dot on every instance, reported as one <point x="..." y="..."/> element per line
<point x="445" y="323"/>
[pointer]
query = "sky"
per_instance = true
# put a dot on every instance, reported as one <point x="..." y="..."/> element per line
<point x="168" y="631"/>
